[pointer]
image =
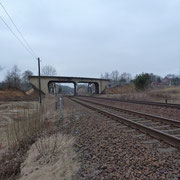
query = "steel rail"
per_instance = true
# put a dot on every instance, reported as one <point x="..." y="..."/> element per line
<point x="139" y="114"/>
<point x="172" y="140"/>
<point x="167" y="105"/>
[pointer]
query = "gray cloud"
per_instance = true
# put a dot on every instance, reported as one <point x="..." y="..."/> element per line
<point x="86" y="38"/>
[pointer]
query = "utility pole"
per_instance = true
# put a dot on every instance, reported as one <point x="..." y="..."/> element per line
<point x="40" y="101"/>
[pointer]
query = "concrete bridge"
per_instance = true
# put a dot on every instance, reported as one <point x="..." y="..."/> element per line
<point x="100" y="84"/>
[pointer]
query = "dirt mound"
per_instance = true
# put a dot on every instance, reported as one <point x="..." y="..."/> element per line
<point x="32" y="93"/>
<point x="7" y="93"/>
<point x="14" y="95"/>
<point x="121" y="89"/>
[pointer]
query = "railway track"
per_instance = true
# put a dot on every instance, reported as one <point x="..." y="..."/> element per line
<point x="167" y="130"/>
<point x="167" y="105"/>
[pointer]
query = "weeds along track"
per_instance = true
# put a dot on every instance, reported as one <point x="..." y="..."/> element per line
<point x="151" y="103"/>
<point x="21" y="124"/>
<point x="167" y="130"/>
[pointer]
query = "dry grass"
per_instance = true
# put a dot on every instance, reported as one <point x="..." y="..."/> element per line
<point x="172" y="89"/>
<point x="51" y="158"/>
<point x="121" y="89"/>
<point x="22" y="123"/>
<point x="25" y="128"/>
<point x="29" y="119"/>
<point x="153" y="94"/>
<point x="10" y="113"/>
<point x="172" y="94"/>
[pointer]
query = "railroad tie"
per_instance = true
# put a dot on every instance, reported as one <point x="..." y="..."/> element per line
<point x="172" y="130"/>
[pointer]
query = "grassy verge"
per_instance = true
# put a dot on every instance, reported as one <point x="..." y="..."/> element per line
<point x="26" y="127"/>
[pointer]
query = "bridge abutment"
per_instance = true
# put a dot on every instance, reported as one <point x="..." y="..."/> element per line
<point x="75" y="89"/>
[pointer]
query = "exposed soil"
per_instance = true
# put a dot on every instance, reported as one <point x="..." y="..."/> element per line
<point x="16" y="95"/>
<point x="121" y="89"/>
<point x="46" y="163"/>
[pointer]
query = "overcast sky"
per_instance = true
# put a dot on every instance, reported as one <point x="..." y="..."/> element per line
<point x="89" y="37"/>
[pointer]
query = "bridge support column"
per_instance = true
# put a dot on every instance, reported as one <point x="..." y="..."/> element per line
<point x="97" y="88"/>
<point x="75" y="89"/>
<point x="89" y="88"/>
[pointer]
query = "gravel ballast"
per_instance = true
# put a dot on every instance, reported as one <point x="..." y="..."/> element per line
<point x="149" y="109"/>
<point x="110" y="150"/>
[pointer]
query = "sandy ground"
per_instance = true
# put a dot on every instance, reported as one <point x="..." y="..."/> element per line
<point x="42" y="164"/>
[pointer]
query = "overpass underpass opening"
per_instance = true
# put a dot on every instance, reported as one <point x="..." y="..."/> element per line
<point x="62" y="88"/>
<point x="85" y="88"/>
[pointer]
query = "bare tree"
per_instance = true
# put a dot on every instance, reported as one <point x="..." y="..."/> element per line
<point x="105" y="75"/>
<point x="48" y="71"/>
<point x="115" y="76"/>
<point x="13" y="78"/>
<point x="102" y="76"/>
<point x="156" y="78"/>
<point x="125" y="78"/>
<point x="25" y="75"/>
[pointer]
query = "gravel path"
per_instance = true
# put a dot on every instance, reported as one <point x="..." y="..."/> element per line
<point x="109" y="150"/>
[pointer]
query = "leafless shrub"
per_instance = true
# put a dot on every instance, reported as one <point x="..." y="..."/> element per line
<point x="13" y="78"/>
<point x="49" y="146"/>
<point x="40" y="163"/>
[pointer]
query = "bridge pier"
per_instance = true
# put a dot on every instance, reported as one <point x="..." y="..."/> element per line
<point x="75" y="88"/>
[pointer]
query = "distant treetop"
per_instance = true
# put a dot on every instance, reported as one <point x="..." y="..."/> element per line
<point x="48" y="71"/>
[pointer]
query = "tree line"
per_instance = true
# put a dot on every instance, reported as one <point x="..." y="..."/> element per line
<point x="14" y="79"/>
<point x="141" y="81"/>
<point x="116" y="78"/>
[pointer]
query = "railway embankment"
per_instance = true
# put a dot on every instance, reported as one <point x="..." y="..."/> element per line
<point x="111" y="150"/>
<point x="95" y="146"/>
